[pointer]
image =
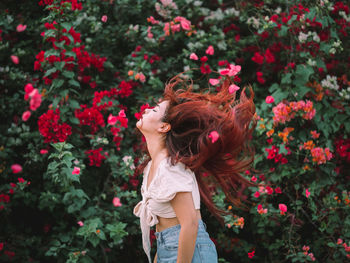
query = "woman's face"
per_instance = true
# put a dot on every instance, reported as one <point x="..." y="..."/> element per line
<point x="151" y="121"/>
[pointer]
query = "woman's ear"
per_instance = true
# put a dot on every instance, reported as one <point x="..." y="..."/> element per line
<point x="164" y="128"/>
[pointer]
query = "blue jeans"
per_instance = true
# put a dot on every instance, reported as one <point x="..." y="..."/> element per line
<point x="168" y="242"/>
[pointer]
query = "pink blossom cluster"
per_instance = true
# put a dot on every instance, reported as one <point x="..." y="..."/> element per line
<point x="345" y="246"/>
<point x="176" y="25"/>
<point x="123" y="121"/>
<point x="35" y="100"/>
<point x="266" y="190"/>
<point x="50" y="128"/>
<point x="306" y="253"/>
<point x="286" y="112"/>
<point x="320" y="155"/>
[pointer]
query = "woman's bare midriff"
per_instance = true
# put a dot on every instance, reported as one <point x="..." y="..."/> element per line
<point x="164" y="223"/>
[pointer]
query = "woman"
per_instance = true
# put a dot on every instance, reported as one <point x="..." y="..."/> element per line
<point x="194" y="143"/>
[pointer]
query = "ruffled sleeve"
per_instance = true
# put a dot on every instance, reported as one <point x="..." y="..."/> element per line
<point x="171" y="180"/>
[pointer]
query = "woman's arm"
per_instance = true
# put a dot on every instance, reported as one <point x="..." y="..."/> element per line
<point x="186" y="214"/>
<point x="155" y="258"/>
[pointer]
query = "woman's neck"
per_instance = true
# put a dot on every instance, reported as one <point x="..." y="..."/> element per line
<point x="156" y="148"/>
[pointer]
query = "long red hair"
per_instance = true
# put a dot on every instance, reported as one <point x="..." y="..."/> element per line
<point x="193" y="116"/>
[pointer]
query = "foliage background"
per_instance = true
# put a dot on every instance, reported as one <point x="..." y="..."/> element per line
<point x="67" y="187"/>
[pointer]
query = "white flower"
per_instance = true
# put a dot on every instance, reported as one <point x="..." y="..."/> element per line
<point x="222" y="45"/>
<point x="330" y="82"/>
<point x="186" y="68"/>
<point x="215" y="15"/>
<point x="197" y="3"/>
<point x="302" y="37"/>
<point x="311" y="62"/>
<point x="231" y="11"/>
<point x="254" y="22"/>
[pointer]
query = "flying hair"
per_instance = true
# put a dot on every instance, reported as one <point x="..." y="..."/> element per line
<point x="193" y="116"/>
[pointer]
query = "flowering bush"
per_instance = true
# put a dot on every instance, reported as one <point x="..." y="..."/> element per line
<point x="78" y="75"/>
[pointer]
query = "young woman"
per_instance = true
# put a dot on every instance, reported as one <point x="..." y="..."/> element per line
<point x="195" y="142"/>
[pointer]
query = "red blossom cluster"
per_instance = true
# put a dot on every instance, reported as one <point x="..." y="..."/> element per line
<point x="95" y="157"/>
<point x="124" y="90"/>
<point x="343" y="148"/>
<point x="138" y="115"/>
<point x="74" y="3"/>
<point x="84" y="59"/>
<point x="342" y="22"/>
<point x="91" y="117"/>
<point x="50" y="128"/>
<point x="268" y="57"/>
<point x="4" y="198"/>
<point x="274" y="155"/>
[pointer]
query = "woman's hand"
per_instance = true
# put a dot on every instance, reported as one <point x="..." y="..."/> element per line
<point x="186" y="214"/>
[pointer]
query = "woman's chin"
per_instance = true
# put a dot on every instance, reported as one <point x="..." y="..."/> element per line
<point x="139" y="124"/>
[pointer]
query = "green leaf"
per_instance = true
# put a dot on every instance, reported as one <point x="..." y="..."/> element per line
<point x="279" y="95"/>
<point x="71" y="54"/>
<point x="286" y="79"/>
<point x="66" y="25"/>
<point x="57" y="83"/>
<point x="59" y="65"/>
<point x="55" y="102"/>
<point x="74" y="83"/>
<point x="94" y="240"/>
<point x="74" y="104"/>
<point x="68" y="74"/>
<point x="283" y="31"/>
<point x="50" y="71"/>
<point x="74" y="120"/>
<point x="331" y="244"/>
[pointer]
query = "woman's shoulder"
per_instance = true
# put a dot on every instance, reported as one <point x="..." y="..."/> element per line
<point x="172" y="178"/>
<point x="177" y="167"/>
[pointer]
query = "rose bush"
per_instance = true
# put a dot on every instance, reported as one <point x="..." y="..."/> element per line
<point x="77" y="74"/>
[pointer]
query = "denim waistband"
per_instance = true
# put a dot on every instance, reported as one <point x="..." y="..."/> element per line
<point x="169" y="231"/>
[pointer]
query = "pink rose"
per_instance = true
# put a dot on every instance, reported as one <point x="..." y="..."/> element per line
<point x="283" y="208"/>
<point x="43" y="151"/>
<point x="210" y="50"/>
<point x="21" y="28"/>
<point x="112" y="119"/>
<point x="214" y="136"/>
<point x="116" y="202"/>
<point x="269" y="99"/>
<point x="232" y="88"/>
<point x="193" y="56"/>
<point x="16" y="168"/>
<point x="104" y="19"/>
<point x="76" y="170"/>
<point x="14" y="59"/>
<point x="214" y="82"/>
<point x="26" y="115"/>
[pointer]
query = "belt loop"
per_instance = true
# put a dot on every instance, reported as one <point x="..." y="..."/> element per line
<point x="161" y="240"/>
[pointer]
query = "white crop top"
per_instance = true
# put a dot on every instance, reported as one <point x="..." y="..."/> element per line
<point x="167" y="181"/>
